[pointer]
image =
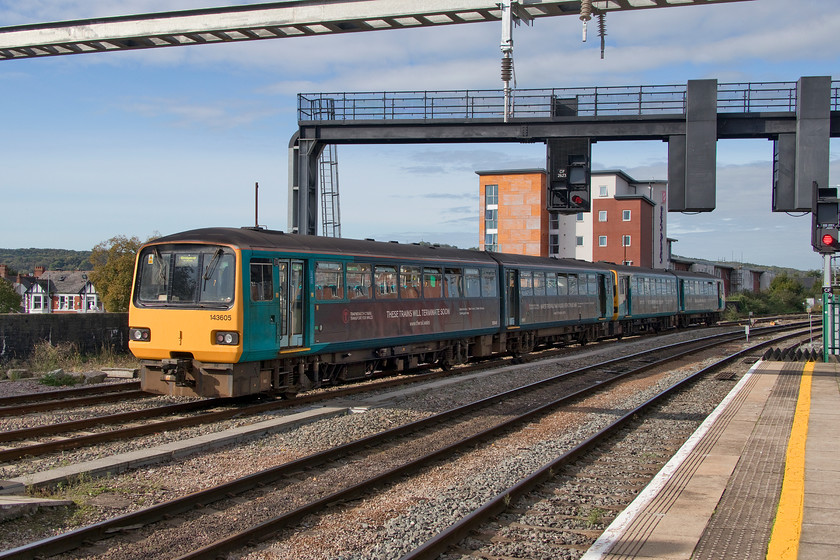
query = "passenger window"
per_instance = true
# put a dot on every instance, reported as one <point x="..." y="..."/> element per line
<point x="489" y="286"/>
<point x="386" y="282"/>
<point x="473" y="282"/>
<point x="539" y="283"/>
<point x="432" y="283"/>
<point x="410" y="282"/>
<point x="526" y="283"/>
<point x="592" y="285"/>
<point x="550" y="284"/>
<point x="562" y="285"/>
<point x="329" y="281"/>
<point x="358" y="281"/>
<point x="573" y="284"/>
<point x="453" y="279"/>
<point x="262" y="285"/>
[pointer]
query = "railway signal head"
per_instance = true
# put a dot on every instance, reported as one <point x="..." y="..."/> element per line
<point x="828" y="241"/>
<point x="825" y="220"/>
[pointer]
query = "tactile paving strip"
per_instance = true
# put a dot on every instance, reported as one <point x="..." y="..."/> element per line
<point x="743" y="520"/>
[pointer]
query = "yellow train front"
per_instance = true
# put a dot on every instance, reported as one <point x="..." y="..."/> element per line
<point x="186" y="320"/>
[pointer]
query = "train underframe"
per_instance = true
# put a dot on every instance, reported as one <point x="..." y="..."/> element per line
<point x="184" y="376"/>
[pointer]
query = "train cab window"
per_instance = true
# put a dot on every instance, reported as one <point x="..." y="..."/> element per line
<point x="358" y="281"/>
<point x="186" y="276"/>
<point x="453" y="280"/>
<point x="573" y="284"/>
<point x="385" y="278"/>
<point x="539" y="283"/>
<point x="410" y="282"/>
<point x="526" y="283"/>
<point x="329" y="281"/>
<point x="562" y="285"/>
<point x="432" y="283"/>
<point x="262" y="283"/>
<point x="550" y="284"/>
<point x="472" y="282"/>
<point x="489" y="286"/>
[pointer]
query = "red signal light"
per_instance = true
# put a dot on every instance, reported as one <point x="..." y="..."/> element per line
<point x="577" y="199"/>
<point x="828" y="239"/>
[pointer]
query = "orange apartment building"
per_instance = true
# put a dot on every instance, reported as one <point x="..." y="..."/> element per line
<point x="627" y="222"/>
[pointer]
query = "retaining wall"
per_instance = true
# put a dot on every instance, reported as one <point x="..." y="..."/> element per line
<point x="89" y="332"/>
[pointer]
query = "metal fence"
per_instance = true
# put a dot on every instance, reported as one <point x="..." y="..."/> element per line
<point x="614" y="101"/>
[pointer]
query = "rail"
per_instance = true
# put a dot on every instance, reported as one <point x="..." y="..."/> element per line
<point x="612" y="101"/>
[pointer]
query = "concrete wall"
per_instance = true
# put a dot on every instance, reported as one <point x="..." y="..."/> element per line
<point x="90" y="332"/>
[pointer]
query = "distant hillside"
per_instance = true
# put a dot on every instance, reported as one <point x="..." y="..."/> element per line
<point x="25" y="260"/>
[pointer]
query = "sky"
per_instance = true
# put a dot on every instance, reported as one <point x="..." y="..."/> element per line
<point x="148" y="143"/>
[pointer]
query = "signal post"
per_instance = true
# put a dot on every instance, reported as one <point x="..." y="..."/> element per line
<point x="825" y="224"/>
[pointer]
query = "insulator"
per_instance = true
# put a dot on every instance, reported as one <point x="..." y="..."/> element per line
<point x="586" y="10"/>
<point x="585" y="14"/>
<point x="507" y="69"/>
<point x="602" y="31"/>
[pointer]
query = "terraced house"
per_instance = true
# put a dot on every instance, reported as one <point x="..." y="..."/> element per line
<point x="55" y="291"/>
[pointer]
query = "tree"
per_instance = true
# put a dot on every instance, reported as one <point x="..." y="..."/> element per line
<point x="113" y="270"/>
<point x="9" y="298"/>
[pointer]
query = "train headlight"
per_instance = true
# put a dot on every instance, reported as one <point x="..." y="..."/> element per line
<point x="226" y="338"/>
<point x="139" y="334"/>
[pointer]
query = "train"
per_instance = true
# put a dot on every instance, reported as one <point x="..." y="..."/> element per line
<point x="229" y="312"/>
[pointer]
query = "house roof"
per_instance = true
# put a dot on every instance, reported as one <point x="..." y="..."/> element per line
<point x="65" y="282"/>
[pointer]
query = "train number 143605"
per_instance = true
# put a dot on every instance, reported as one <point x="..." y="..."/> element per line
<point x="221" y="318"/>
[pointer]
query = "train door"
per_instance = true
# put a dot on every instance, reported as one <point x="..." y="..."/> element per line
<point x="289" y="302"/>
<point x="682" y="295"/>
<point x="512" y="297"/>
<point x="602" y="296"/>
<point x="623" y="296"/>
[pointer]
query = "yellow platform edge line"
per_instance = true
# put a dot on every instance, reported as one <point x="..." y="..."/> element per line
<point x="787" y="527"/>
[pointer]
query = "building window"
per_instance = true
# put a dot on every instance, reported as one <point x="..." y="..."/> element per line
<point x="628" y="263"/>
<point x="602" y="216"/>
<point x="553" y="244"/>
<point x="579" y="241"/>
<point x="602" y="190"/>
<point x="625" y="241"/>
<point x="602" y="241"/>
<point x="625" y="215"/>
<point x="491" y="195"/>
<point x="554" y="221"/>
<point x="579" y="217"/>
<point x="491" y="219"/>
<point x="491" y="242"/>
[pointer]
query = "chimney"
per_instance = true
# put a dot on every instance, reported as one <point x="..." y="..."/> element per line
<point x="39" y="270"/>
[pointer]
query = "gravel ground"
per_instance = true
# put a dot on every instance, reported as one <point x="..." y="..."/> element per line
<point x="395" y="523"/>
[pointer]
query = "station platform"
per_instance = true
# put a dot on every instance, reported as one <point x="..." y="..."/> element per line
<point x="759" y="479"/>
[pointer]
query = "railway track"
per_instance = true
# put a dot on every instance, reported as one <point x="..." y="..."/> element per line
<point x="46" y="439"/>
<point x="67" y="398"/>
<point x="402" y="446"/>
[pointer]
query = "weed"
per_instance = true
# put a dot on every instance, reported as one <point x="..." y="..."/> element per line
<point x="594" y="517"/>
<point x="59" y="378"/>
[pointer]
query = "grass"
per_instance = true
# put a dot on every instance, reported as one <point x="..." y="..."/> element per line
<point x="48" y="357"/>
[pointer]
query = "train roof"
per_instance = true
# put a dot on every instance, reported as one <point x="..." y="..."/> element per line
<point x="265" y="239"/>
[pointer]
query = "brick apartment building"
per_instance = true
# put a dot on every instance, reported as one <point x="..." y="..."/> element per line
<point x="627" y="222"/>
